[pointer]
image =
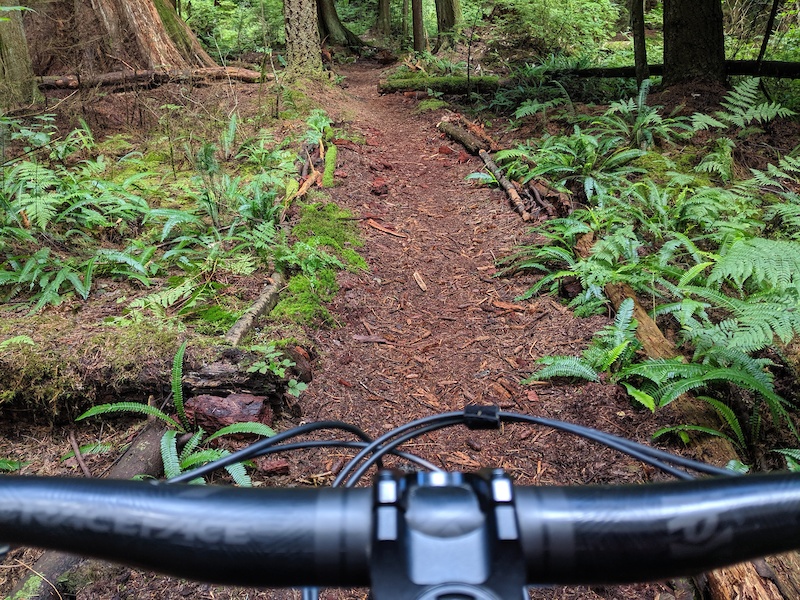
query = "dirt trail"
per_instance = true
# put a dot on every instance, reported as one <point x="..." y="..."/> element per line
<point x="429" y="328"/>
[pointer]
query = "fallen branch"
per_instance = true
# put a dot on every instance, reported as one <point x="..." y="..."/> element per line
<point x="266" y="302"/>
<point x="148" y="78"/>
<point x="511" y="191"/>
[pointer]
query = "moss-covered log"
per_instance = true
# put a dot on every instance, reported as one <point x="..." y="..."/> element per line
<point x="445" y="85"/>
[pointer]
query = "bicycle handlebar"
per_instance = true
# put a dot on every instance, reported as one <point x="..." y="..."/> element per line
<point x="336" y="537"/>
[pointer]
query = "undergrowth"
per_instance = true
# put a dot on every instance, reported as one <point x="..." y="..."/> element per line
<point x="716" y="253"/>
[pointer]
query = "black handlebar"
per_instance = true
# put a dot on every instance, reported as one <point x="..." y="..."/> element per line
<point x="334" y="536"/>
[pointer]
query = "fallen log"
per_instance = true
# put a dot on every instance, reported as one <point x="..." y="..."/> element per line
<point x="148" y="78"/>
<point x="768" y="68"/>
<point x="142" y="458"/>
<point x="470" y="141"/>
<point x="774" y="578"/>
<point x="455" y="85"/>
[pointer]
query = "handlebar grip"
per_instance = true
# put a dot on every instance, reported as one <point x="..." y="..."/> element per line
<point x="234" y="536"/>
<point x="627" y="534"/>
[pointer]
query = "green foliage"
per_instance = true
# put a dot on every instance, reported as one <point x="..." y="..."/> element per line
<point x="611" y="349"/>
<point x="227" y="28"/>
<point x="594" y="162"/>
<point x="743" y="108"/>
<point x="330" y="167"/>
<point x="642" y="126"/>
<point x="9" y="465"/>
<point x="547" y="26"/>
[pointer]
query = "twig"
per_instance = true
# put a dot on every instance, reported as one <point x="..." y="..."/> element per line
<point x="77" y="450"/>
<point x="42" y="577"/>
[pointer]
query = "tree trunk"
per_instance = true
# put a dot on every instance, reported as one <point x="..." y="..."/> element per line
<point x="418" y="26"/>
<point x="17" y="85"/>
<point x="383" y="24"/>
<point x="331" y="29"/>
<point x="694" y="43"/>
<point x="404" y="22"/>
<point x="303" y="48"/>
<point x="98" y="36"/>
<point x="639" y="46"/>
<point x="448" y="15"/>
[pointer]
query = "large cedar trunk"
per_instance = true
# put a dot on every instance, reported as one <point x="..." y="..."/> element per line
<point x="331" y="29"/>
<point x="448" y="15"/>
<point x="303" y="49"/>
<point x="694" y="43"/>
<point x="417" y="26"/>
<point x="384" y="21"/>
<point x="17" y="85"/>
<point x="98" y="36"/>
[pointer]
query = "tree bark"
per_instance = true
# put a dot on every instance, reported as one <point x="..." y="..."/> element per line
<point x="417" y="26"/>
<point x="694" y="43"/>
<point x="109" y="35"/>
<point x="383" y="24"/>
<point x="303" y="47"/>
<point x="331" y="29"/>
<point x="639" y="46"/>
<point x="17" y="84"/>
<point x="448" y="15"/>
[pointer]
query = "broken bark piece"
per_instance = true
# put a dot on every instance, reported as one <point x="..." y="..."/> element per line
<point x="375" y="225"/>
<point x="272" y="466"/>
<point x="380" y="187"/>
<point x="212" y="413"/>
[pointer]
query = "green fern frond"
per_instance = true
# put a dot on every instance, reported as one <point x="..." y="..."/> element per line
<point x="563" y="366"/>
<point x="761" y="264"/>
<point x="239" y="475"/>
<point x="682" y="429"/>
<point x="192" y="444"/>
<point x="730" y="418"/>
<point x="177" y="385"/>
<point x="134" y="407"/>
<point x="240" y="428"/>
<point x="202" y="457"/>
<point x="169" y="454"/>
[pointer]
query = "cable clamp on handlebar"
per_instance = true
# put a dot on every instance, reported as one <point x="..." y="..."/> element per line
<point x="481" y="417"/>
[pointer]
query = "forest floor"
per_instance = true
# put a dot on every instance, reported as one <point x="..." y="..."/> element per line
<point x="428" y="328"/>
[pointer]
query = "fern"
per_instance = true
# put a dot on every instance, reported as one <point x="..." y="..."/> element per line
<point x="742" y="109"/>
<point x="192" y="444"/>
<point x="563" y="366"/>
<point x="134" y="407"/>
<point x="720" y="160"/>
<point x="177" y="385"/>
<point x="169" y="455"/>
<point x="239" y="428"/>
<point x="760" y="264"/>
